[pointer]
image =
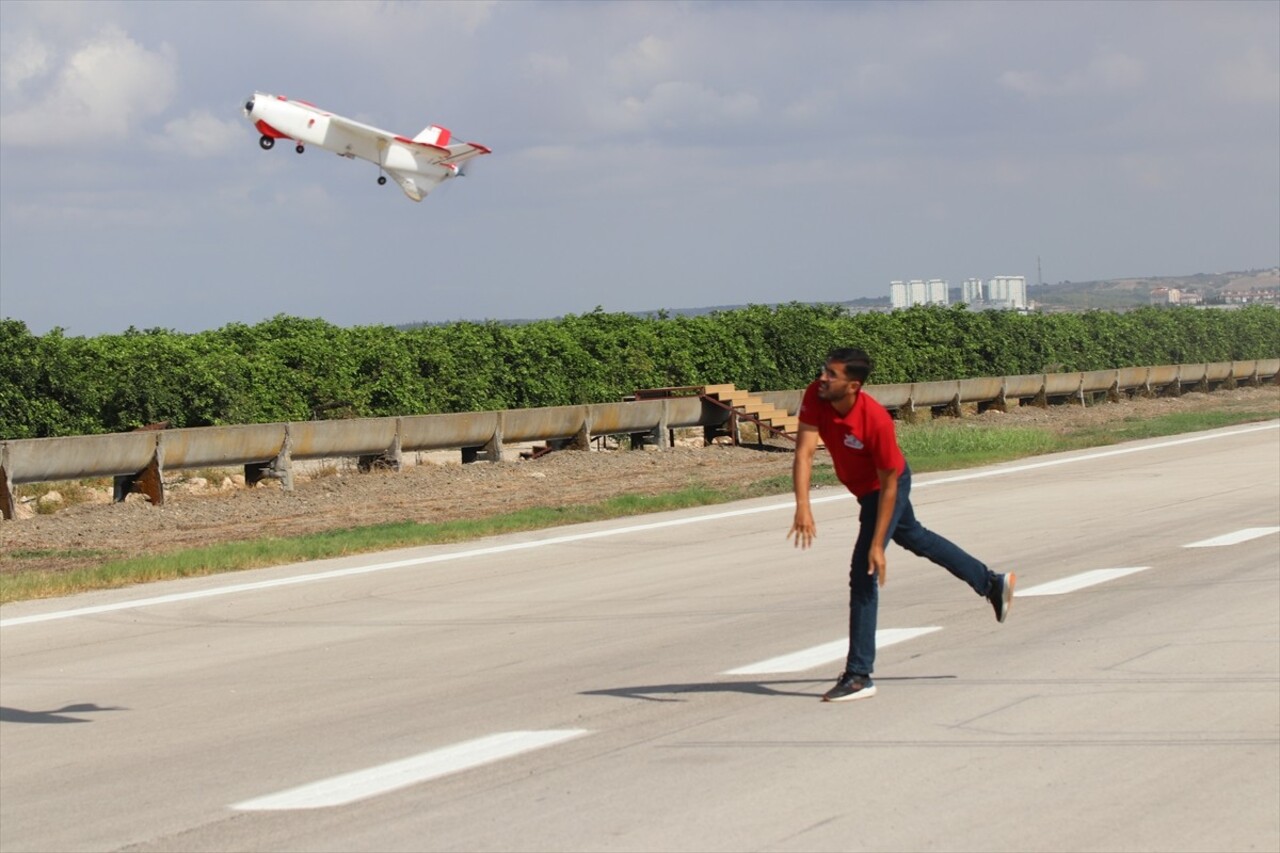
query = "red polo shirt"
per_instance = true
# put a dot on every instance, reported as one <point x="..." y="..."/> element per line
<point x="859" y="443"/>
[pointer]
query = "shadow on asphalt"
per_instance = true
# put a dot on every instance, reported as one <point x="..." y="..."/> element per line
<point x="673" y="692"/>
<point x="59" y="715"/>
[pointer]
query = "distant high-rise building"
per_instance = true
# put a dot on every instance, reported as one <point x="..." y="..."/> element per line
<point x="1007" y="291"/>
<point x="898" y="295"/>
<point x="917" y="292"/>
<point x="971" y="291"/>
<point x="1003" y="291"/>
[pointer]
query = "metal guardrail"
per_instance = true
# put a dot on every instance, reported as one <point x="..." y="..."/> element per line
<point x="138" y="460"/>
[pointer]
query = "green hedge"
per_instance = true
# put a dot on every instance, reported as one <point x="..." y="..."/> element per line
<point x="289" y="368"/>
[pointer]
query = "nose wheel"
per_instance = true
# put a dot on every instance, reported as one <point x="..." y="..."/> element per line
<point x="382" y="180"/>
<point x="299" y="148"/>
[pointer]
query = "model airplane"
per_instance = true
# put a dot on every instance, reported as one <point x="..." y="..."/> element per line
<point x="418" y="165"/>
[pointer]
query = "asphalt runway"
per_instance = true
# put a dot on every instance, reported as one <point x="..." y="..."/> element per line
<point x="653" y="683"/>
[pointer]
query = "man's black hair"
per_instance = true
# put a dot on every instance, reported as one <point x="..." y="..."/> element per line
<point x="857" y="364"/>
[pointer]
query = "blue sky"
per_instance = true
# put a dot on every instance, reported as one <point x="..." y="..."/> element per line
<point x="645" y="155"/>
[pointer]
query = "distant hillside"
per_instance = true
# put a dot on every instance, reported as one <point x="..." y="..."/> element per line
<point x="1131" y="292"/>
<point x="854" y="305"/>
<point x="1115" y="294"/>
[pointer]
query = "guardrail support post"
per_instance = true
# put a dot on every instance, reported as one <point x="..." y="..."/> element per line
<point x="280" y="468"/>
<point x="389" y="459"/>
<point x="149" y="481"/>
<point x="1000" y="403"/>
<point x="659" y="437"/>
<point x="8" y="506"/>
<point x="493" y="450"/>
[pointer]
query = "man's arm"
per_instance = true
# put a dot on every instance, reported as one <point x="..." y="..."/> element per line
<point x="802" y="527"/>
<point x="884" y="514"/>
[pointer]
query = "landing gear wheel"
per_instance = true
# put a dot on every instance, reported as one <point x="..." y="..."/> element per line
<point x="299" y="148"/>
<point x="382" y="180"/>
<point x="267" y="143"/>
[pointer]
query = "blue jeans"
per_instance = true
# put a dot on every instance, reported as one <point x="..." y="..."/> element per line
<point x="912" y="535"/>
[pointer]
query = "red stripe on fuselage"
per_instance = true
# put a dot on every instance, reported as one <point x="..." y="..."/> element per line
<point x="267" y="130"/>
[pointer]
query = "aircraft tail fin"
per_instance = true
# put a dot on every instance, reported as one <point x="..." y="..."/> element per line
<point x="434" y="135"/>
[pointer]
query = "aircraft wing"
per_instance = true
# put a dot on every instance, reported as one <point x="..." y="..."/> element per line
<point x="368" y="142"/>
<point x="464" y="151"/>
<point x="359" y="140"/>
<point x="415" y="186"/>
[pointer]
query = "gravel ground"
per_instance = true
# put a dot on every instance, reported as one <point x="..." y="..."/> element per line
<point x="196" y="513"/>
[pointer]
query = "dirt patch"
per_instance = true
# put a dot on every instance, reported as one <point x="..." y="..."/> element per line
<point x="217" y="509"/>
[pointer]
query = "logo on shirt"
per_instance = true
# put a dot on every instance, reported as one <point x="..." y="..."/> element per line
<point x="851" y="440"/>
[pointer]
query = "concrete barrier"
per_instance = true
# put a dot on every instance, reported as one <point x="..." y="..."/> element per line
<point x="626" y="418"/>
<point x="356" y="437"/>
<point x="1024" y="386"/>
<point x="447" y="431"/>
<point x="984" y="390"/>
<point x="1095" y="381"/>
<point x="1218" y="372"/>
<point x="1161" y="378"/>
<point x="77" y="457"/>
<point x="1132" y="378"/>
<point x="208" y="447"/>
<point x="549" y="424"/>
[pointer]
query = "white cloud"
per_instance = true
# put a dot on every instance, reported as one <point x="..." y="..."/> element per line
<point x="812" y="107"/>
<point x="873" y="80"/>
<point x="101" y="91"/>
<point x="1107" y="73"/>
<point x="397" y="32"/>
<point x="308" y="203"/>
<point x="550" y="155"/>
<point x="1251" y="78"/>
<point x="684" y="104"/>
<point x="647" y="60"/>
<point x="27" y="59"/>
<point x="1114" y="72"/>
<point x="199" y="134"/>
<point x="547" y="66"/>
<point x="101" y="209"/>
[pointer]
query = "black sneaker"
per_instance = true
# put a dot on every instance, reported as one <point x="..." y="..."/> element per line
<point x="1001" y="595"/>
<point x="850" y="686"/>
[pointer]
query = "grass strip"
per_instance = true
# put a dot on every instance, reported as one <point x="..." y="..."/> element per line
<point x="259" y="553"/>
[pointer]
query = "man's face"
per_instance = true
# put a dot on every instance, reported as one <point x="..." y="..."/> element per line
<point x="834" y="385"/>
